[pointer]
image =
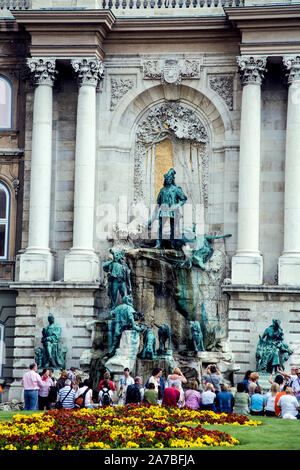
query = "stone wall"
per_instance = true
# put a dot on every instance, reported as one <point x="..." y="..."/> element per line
<point x="73" y="307"/>
<point x="251" y="311"/>
<point x="8" y="321"/>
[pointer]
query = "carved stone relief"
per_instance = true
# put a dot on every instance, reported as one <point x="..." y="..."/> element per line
<point x="223" y="85"/>
<point x="119" y="87"/>
<point x="171" y="71"/>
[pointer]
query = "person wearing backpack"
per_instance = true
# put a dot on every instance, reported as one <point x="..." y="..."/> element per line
<point x="84" y="395"/>
<point x="105" y="395"/>
<point x="135" y="392"/>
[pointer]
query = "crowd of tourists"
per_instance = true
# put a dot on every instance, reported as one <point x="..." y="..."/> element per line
<point x="42" y="392"/>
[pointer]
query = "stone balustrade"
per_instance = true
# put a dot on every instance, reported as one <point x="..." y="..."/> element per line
<point x="129" y="7"/>
<point x="15" y="4"/>
<point x="202" y="7"/>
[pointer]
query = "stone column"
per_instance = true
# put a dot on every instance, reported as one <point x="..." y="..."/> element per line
<point x="36" y="264"/>
<point x="289" y="262"/>
<point x="247" y="264"/>
<point x="82" y="263"/>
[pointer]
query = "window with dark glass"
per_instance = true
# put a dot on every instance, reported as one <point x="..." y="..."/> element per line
<point x="4" y="220"/>
<point x="5" y="103"/>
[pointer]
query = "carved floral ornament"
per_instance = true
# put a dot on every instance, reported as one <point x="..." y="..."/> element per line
<point x="42" y="70"/>
<point x="119" y="87"/>
<point x="252" y="69"/>
<point x="89" y="71"/>
<point x="223" y="85"/>
<point x="168" y="120"/>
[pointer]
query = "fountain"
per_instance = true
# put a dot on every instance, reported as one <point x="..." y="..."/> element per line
<point x="173" y="312"/>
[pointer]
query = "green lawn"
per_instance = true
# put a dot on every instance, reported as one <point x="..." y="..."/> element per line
<point x="273" y="434"/>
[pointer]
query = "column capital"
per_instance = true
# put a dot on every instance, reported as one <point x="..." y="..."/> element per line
<point x="292" y="65"/>
<point x="252" y="69"/>
<point x="89" y="71"/>
<point x="42" y="70"/>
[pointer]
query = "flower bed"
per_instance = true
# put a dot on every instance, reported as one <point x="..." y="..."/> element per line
<point x="126" y="427"/>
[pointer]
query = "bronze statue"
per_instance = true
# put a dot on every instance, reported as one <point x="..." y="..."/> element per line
<point x="169" y="199"/>
<point x="118" y="277"/>
<point x="122" y="319"/>
<point x="197" y="336"/>
<point x="164" y="335"/>
<point x="149" y="348"/>
<point x="52" y="354"/>
<point x="271" y="351"/>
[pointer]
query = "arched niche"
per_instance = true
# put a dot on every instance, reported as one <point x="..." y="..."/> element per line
<point x="171" y="135"/>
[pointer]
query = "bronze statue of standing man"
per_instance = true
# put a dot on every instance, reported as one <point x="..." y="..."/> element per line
<point x="169" y="199"/>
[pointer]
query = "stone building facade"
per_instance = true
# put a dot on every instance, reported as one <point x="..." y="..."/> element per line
<point x="81" y="82"/>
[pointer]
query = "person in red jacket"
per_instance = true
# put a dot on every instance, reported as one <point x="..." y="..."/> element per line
<point x="171" y="396"/>
<point x="106" y="376"/>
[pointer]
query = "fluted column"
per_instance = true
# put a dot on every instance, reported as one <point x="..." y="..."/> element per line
<point x="36" y="264"/>
<point x="82" y="263"/>
<point x="247" y="264"/>
<point x="289" y="262"/>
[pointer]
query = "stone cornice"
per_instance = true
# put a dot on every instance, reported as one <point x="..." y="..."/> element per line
<point x="47" y="17"/>
<point x="261" y="289"/>
<point x="265" y="12"/>
<point x="66" y="33"/>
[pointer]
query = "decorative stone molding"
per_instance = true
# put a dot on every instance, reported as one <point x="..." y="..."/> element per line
<point x="223" y="85"/>
<point x="119" y="87"/>
<point x="176" y="120"/>
<point x="292" y="65"/>
<point x="89" y="71"/>
<point x="171" y="71"/>
<point x="252" y="69"/>
<point x="16" y="186"/>
<point x="42" y="70"/>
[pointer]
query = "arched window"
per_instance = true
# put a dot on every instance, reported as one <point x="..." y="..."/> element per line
<point x="4" y="220"/>
<point x="5" y="103"/>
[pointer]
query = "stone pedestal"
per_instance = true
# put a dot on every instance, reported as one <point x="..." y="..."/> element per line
<point x="126" y="353"/>
<point x="264" y="381"/>
<point x="247" y="269"/>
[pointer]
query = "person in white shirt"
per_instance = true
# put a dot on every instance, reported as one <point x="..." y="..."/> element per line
<point x="289" y="405"/>
<point x="208" y="398"/>
<point x="87" y="391"/>
<point x="270" y="399"/>
<point x="123" y="384"/>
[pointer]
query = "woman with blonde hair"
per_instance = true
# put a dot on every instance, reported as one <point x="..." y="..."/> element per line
<point x="253" y="383"/>
<point x="192" y="396"/>
<point x="178" y="379"/>
<point x="209" y="398"/>
<point x="270" y="399"/>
